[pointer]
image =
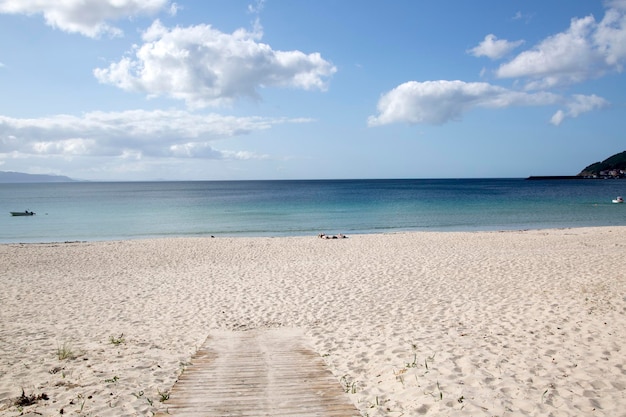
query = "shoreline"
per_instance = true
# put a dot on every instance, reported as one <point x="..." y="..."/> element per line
<point x="482" y="323"/>
<point x="309" y="234"/>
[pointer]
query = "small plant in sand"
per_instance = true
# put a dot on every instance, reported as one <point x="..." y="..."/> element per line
<point x="399" y="374"/>
<point x="378" y="402"/>
<point x="112" y="380"/>
<point x="431" y="359"/>
<point x="138" y="394"/>
<point x="117" y="340"/>
<point x="412" y="364"/>
<point x="349" y="386"/>
<point x="65" y="352"/>
<point x="82" y="400"/>
<point x="545" y="397"/>
<point x="163" y="396"/>
<point x="438" y="394"/>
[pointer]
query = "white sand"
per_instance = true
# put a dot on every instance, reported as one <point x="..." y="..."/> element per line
<point x="438" y="324"/>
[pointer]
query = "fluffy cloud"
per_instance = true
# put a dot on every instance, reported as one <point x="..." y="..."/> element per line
<point x="437" y="102"/>
<point x="87" y="17"/>
<point x="128" y="134"/>
<point x="616" y="4"/>
<point x="585" y="50"/>
<point x="494" y="48"/>
<point x="578" y="105"/>
<point x="206" y="67"/>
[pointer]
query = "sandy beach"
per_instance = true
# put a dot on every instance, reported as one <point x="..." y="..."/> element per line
<point x="515" y="323"/>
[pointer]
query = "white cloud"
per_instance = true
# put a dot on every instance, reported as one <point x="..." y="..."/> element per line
<point x="560" y="59"/>
<point x="87" y="17"/>
<point x="616" y="4"/>
<point x="256" y="7"/>
<point x="526" y="17"/>
<point x="438" y="102"/>
<point x="127" y="134"/>
<point x="587" y="49"/>
<point x="206" y="67"/>
<point x="610" y="37"/>
<point x="578" y="105"/>
<point x="583" y="104"/>
<point x="558" y="117"/>
<point x="243" y="155"/>
<point x="493" y="47"/>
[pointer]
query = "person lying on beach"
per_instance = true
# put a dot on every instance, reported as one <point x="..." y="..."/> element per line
<point x="325" y="236"/>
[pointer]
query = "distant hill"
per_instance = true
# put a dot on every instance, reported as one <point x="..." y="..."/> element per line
<point x="20" y="177"/>
<point x="615" y="163"/>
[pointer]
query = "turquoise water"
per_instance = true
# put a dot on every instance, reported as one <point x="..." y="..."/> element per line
<point x="131" y="210"/>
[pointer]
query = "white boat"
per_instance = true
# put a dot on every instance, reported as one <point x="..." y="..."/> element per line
<point x="618" y="200"/>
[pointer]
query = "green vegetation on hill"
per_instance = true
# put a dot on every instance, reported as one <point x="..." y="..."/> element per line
<point x="616" y="162"/>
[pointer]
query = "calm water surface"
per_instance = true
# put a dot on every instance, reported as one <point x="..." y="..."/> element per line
<point x="131" y="210"/>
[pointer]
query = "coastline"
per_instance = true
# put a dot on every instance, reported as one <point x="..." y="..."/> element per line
<point x="571" y="177"/>
<point x="471" y="323"/>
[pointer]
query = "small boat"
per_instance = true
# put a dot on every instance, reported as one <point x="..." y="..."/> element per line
<point x="618" y="200"/>
<point x="22" y="213"/>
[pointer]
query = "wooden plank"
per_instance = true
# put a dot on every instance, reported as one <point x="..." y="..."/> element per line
<point x="261" y="372"/>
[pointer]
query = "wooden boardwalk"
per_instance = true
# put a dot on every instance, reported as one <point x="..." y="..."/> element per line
<point x="267" y="372"/>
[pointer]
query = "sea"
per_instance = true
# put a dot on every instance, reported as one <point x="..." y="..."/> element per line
<point x="95" y="211"/>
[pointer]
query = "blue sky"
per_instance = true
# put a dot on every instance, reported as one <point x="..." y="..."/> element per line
<point x="299" y="89"/>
